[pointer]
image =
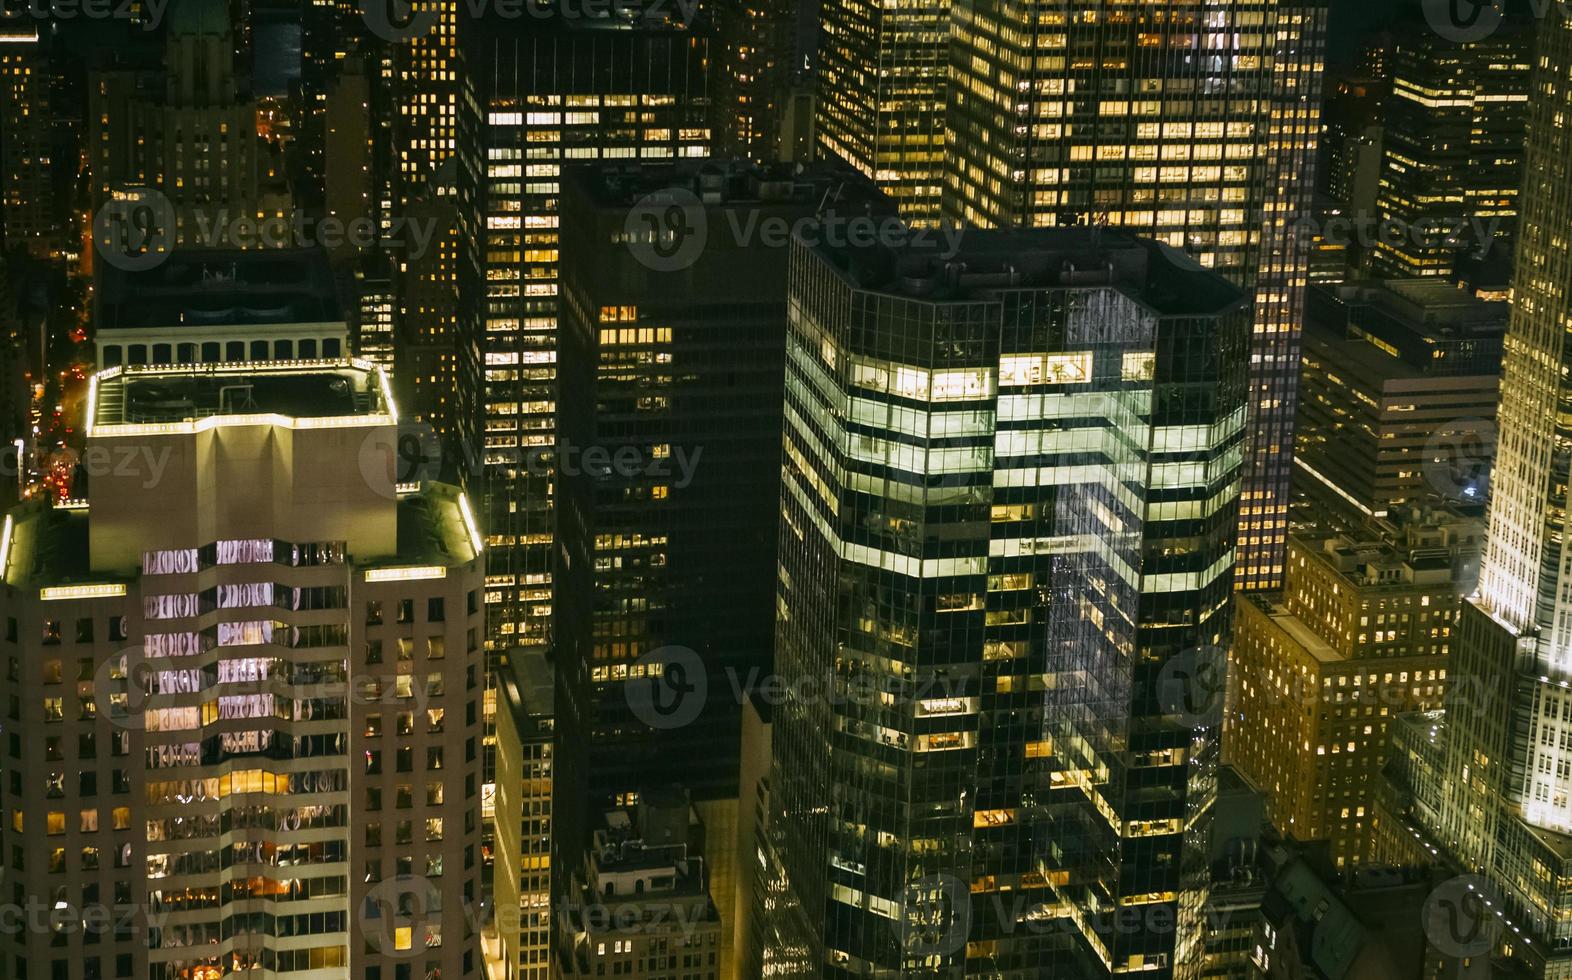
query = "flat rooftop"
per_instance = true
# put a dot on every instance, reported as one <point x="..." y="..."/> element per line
<point x="137" y="395"/>
<point x="832" y="186"/>
<point x="219" y="287"/>
<point x="989" y="263"/>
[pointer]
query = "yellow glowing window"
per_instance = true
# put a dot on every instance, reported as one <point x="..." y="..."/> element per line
<point x="1138" y="366"/>
<point x="1030" y="369"/>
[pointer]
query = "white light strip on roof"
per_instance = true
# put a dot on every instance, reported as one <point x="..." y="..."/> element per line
<point x="5" y="545"/>
<point x="387" y="392"/>
<point x="405" y="574"/>
<point x="92" y="403"/>
<point x="263" y="418"/>
<point x="469" y="525"/>
<point x="99" y="591"/>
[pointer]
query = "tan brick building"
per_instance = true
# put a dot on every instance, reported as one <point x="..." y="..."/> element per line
<point x="242" y="684"/>
<point x="1360" y="633"/>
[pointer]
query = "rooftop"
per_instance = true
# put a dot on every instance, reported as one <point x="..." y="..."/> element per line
<point x="124" y="400"/>
<point x="720" y="183"/>
<point x="219" y="287"/>
<point x="989" y="264"/>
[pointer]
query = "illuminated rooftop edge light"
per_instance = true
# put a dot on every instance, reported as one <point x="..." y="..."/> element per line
<point x="407" y="573"/>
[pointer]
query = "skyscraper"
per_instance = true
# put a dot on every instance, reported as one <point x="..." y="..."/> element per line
<point x="244" y="681"/>
<point x="188" y="129"/>
<point x="761" y="74"/>
<point x="1452" y="146"/>
<point x="1190" y="125"/>
<point x="1506" y="803"/>
<point x="27" y="216"/>
<point x="883" y="70"/>
<point x="544" y="95"/>
<point x="1011" y="478"/>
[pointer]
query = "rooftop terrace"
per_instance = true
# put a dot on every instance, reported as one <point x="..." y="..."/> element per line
<point x="126" y="400"/>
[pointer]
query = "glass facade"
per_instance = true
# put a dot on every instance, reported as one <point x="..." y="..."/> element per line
<point x="1009" y="503"/>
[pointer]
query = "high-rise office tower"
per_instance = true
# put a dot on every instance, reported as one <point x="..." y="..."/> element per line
<point x="1398" y="396"/>
<point x="882" y="76"/>
<point x="331" y="34"/>
<point x="545" y="95"/>
<point x="761" y="78"/>
<point x="1193" y="126"/>
<point x="674" y="375"/>
<point x="27" y="217"/>
<point x="1507" y="799"/>
<point x="1452" y="146"/>
<point x="188" y="129"/>
<point x="243" y="688"/>
<point x="421" y="204"/>
<point x="669" y="478"/>
<point x="1011" y="481"/>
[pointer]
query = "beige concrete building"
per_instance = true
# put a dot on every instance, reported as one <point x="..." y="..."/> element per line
<point x="243" y="680"/>
<point x="1360" y="633"/>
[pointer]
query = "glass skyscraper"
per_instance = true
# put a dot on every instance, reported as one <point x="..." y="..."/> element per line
<point x="1010" y="491"/>
<point x="1506" y="786"/>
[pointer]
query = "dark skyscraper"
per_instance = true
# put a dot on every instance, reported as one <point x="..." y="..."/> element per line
<point x="1011" y="478"/>
<point x="1452" y="147"/>
<point x="546" y="95"/>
